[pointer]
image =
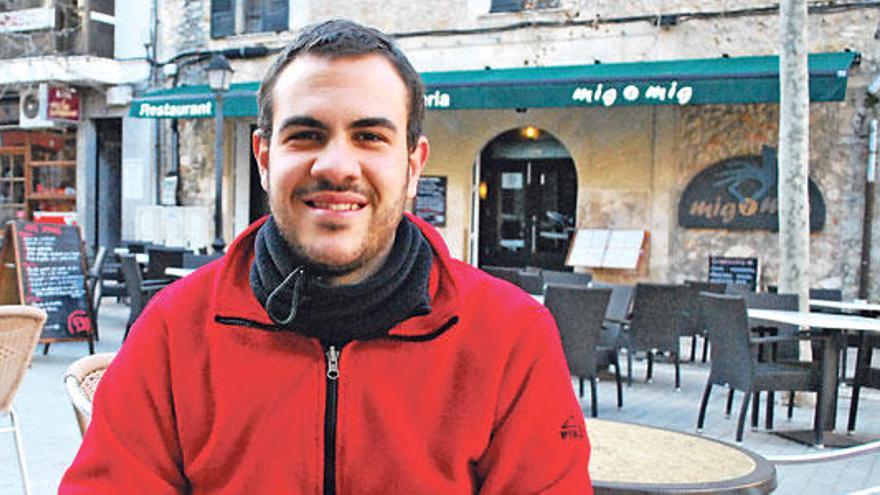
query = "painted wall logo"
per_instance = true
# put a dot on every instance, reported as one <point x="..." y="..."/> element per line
<point x="740" y="193"/>
<point x="645" y="94"/>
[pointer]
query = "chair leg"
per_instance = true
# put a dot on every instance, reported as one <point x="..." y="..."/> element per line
<point x="705" y="348"/>
<point x="790" y="404"/>
<point x="755" y="406"/>
<point x="818" y="432"/>
<point x="768" y="414"/>
<point x="19" y="448"/>
<point x="619" y="384"/>
<point x="741" y="422"/>
<point x="677" y="371"/>
<point x="729" y="407"/>
<point x="853" y="407"/>
<point x="594" y="406"/>
<point x="650" y="365"/>
<point x="703" y="403"/>
<point x="629" y="367"/>
<point x="693" y="347"/>
<point x="581" y="387"/>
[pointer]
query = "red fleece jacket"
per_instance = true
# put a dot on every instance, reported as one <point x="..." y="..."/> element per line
<point x="474" y="397"/>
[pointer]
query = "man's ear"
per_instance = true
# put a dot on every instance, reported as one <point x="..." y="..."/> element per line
<point x="417" y="160"/>
<point x="261" y="154"/>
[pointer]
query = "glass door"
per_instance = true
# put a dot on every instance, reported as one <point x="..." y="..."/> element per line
<point x="527" y="215"/>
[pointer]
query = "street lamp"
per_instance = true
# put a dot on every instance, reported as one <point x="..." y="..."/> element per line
<point x="219" y="76"/>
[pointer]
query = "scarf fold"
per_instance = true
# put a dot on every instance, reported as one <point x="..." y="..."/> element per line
<point x="294" y="296"/>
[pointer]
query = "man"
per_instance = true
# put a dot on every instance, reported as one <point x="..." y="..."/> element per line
<point x="337" y="347"/>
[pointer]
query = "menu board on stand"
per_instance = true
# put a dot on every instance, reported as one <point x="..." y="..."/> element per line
<point x="43" y="265"/>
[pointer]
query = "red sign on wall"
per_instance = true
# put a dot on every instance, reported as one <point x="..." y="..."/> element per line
<point x="63" y="103"/>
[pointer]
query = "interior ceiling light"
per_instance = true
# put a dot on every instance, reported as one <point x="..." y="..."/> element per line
<point x="530" y="132"/>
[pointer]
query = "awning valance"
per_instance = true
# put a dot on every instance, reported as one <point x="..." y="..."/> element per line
<point x="728" y="80"/>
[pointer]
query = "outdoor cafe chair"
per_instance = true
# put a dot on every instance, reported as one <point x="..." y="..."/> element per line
<point x="508" y="273"/>
<point x="139" y="291"/>
<point x="569" y="278"/>
<point x="735" y="362"/>
<point x="20" y="328"/>
<point x="579" y="312"/>
<point x="654" y="325"/>
<point x="160" y="258"/>
<point x="691" y="325"/>
<point x="191" y="260"/>
<point x="531" y="281"/>
<point x="865" y="376"/>
<point x="81" y="381"/>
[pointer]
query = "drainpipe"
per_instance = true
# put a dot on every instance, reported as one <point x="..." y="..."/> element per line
<point x="867" y="234"/>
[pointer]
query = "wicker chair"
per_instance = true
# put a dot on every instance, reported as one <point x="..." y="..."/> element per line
<point x="20" y="328"/>
<point x="691" y="324"/>
<point x="139" y="290"/>
<point x="81" y="380"/>
<point x="654" y="326"/>
<point x="735" y="361"/>
<point x="579" y="312"/>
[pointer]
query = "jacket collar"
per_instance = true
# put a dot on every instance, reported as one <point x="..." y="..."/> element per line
<point x="233" y="297"/>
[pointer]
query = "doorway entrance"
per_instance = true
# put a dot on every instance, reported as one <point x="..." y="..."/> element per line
<point x="108" y="182"/>
<point x="528" y="196"/>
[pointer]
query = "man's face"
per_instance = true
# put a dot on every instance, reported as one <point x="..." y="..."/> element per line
<point x="336" y="168"/>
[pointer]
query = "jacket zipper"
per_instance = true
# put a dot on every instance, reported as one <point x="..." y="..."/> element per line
<point x="330" y="410"/>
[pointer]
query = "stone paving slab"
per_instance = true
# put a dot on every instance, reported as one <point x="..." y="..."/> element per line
<point x="51" y="437"/>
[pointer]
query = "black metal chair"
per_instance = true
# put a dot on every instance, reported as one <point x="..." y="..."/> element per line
<point x="691" y="324"/>
<point x="139" y="292"/>
<point x="865" y="376"/>
<point x="579" y="312"/>
<point x="735" y="361"/>
<point x="654" y="325"/>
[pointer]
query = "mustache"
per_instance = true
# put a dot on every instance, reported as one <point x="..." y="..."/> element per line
<point x="323" y="185"/>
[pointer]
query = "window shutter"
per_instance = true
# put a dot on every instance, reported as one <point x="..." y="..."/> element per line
<point x="506" y="6"/>
<point x="275" y="15"/>
<point x="222" y="18"/>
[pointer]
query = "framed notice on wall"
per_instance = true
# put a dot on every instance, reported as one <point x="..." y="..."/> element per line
<point x="734" y="270"/>
<point x="430" y="202"/>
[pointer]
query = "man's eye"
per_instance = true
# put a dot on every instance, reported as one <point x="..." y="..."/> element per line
<point x="302" y="136"/>
<point x="369" y="137"/>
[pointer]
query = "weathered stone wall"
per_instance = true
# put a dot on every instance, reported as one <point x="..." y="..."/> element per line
<point x="632" y="163"/>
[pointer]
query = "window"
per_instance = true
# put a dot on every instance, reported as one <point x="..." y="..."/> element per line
<point x="521" y="5"/>
<point x="229" y="17"/>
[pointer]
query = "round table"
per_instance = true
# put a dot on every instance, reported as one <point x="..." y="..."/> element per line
<point x="635" y="459"/>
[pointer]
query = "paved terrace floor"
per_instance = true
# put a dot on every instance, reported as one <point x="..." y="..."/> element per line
<point x="51" y="437"/>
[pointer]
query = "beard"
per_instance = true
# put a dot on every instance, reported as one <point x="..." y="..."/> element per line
<point x="377" y="240"/>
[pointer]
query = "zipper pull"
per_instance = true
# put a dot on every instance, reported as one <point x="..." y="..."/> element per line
<point x="332" y="363"/>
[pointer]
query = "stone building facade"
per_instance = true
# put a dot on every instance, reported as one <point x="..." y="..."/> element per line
<point x="632" y="163"/>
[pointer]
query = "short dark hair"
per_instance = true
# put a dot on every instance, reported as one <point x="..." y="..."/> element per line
<point x="341" y="38"/>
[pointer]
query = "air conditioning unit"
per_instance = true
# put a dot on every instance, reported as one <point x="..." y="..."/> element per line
<point x="33" y="107"/>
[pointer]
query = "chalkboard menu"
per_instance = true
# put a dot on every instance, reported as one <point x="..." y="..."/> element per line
<point x="430" y="203"/>
<point x="731" y="270"/>
<point x="50" y="274"/>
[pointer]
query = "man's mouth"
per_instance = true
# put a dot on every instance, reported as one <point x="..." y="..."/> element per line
<point x="322" y="205"/>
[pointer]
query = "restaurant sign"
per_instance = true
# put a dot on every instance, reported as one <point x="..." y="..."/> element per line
<point x="740" y="193"/>
<point x="62" y="103"/>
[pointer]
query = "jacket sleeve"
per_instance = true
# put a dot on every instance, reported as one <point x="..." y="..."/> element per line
<point x="131" y="444"/>
<point x="539" y="442"/>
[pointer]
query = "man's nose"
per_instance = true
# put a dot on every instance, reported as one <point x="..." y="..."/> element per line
<point x="337" y="163"/>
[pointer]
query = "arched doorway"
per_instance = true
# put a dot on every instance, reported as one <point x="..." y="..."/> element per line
<point x="527" y="200"/>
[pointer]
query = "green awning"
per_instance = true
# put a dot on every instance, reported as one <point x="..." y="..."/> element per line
<point x="676" y="82"/>
<point x="196" y="102"/>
